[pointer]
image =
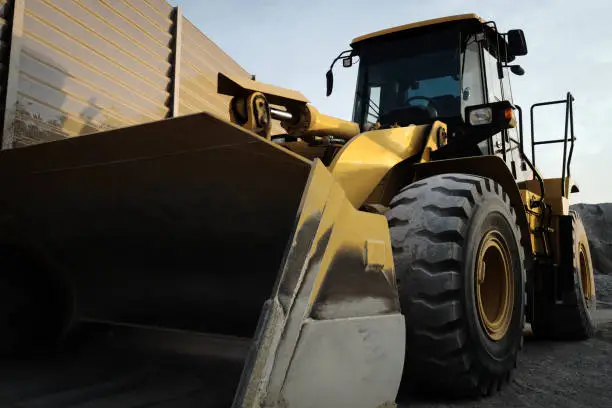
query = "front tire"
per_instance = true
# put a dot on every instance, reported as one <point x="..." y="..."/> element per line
<point x="460" y="270"/>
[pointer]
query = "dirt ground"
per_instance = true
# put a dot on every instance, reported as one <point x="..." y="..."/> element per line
<point x="554" y="375"/>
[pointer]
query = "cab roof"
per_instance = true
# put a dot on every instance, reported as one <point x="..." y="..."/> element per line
<point x="459" y="17"/>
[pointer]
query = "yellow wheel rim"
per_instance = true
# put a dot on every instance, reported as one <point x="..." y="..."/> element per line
<point x="585" y="274"/>
<point x="494" y="286"/>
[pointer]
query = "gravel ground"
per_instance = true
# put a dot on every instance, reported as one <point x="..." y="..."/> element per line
<point x="603" y="285"/>
<point x="554" y="375"/>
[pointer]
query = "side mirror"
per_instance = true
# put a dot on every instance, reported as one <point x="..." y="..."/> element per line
<point x="347" y="61"/>
<point x="517" y="70"/>
<point x="517" y="45"/>
<point x="329" y="76"/>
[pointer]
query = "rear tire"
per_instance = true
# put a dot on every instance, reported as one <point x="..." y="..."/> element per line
<point x="463" y="325"/>
<point x="572" y="320"/>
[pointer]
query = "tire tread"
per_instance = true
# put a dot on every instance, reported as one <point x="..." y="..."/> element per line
<point x="425" y="218"/>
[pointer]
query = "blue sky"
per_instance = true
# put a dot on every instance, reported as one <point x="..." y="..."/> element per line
<point x="291" y="44"/>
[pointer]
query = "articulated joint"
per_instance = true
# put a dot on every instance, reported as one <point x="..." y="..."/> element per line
<point x="252" y="112"/>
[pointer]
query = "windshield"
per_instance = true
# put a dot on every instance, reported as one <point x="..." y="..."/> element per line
<point x="412" y="80"/>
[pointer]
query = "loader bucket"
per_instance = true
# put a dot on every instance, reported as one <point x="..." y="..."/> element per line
<point x="195" y="224"/>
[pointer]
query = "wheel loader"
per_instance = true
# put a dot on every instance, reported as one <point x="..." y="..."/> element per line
<point x="406" y="249"/>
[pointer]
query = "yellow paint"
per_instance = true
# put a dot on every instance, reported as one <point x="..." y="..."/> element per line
<point x="317" y="191"/>
<point x="363" y="162"/>
<point x="306" y="150"/>
<point x="533" y="220"/>
<point x="553" y="197"/>
<point x="410" y="26"/>
<point x="353" y="229"/>
<point x="254" y="108"/>
<point x="313" y="123"/>
<point x="332" y="216"/>
<point x="437" y="135"/>
<point x="585" y="267"/>
<point x="232" y="85"/>
<point x="494" y="285"/>
<point x="350" y="229"/>
<point x="375" y="254"/>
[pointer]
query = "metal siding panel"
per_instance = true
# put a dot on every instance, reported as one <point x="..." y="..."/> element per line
<point x="186" y="109"/>
<point x="208" y="103"/>
<point x="72" y="68"/>
<point x="12" y="78"/>
<point x="176" y="29"/>
<point x="201" y="46"/>
<point x="139" y="20"/>
<point x="202" y="82"/>
<point x="87" y="66"/>
<point x="36" y="119"/>
<point x="161" y="6"/>
<point x="5" y="39"/>
<point x="45" y="33"/>
<point x="58" y="80"/>
<point x="124" y="25"/>
<point x="153" y="15"/>
<point x="90" y="110"/>
<point x="112" y="34"/>
<point x="207" y="69"/>
<point x="201" y="61"/>
<point x="93" y="41"/>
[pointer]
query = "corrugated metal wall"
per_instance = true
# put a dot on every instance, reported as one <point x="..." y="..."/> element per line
<point x="80" y="66"/>
<point x="5" y="40"/>
<point x="87" y="65"/>
<point x="201" y="60"/>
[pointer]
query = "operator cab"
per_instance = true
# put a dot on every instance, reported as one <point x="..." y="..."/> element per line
<point x="413" y="79"/>
<point x="434" y="70"/>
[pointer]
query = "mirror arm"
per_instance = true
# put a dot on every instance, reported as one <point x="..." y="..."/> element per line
<point x="343" y="54"/>
<point x="330" y="75"/>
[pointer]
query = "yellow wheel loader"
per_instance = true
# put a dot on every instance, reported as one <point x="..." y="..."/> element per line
<point x="408" y="247"/>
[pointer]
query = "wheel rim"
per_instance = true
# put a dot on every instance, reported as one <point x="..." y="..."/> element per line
<point x="585" y="274"/>
<point x="494" y="286"/>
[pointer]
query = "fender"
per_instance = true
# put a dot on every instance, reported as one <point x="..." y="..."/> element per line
<point x="362" y="163"/>
<point x="492" y="167"/>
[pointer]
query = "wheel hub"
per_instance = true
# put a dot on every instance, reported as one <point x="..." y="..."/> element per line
<point x="585" y="274"/>
<point x="494" y="286"/>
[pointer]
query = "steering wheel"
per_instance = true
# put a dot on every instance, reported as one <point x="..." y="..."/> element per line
<point x="431" y="107"/>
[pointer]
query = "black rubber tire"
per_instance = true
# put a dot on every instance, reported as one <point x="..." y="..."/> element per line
<point x="572" y="320"/>
<point x="436" y="226"/>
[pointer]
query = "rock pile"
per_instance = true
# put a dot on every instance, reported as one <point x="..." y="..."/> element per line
<point x="597" y="219"/>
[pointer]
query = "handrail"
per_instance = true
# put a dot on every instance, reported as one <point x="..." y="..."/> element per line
<point x="535" y="173"/>
<point x="569" y="127"/>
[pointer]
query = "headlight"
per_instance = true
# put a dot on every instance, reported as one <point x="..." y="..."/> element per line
<point x="495" y="115"/>
<point x="481" y="116"/>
